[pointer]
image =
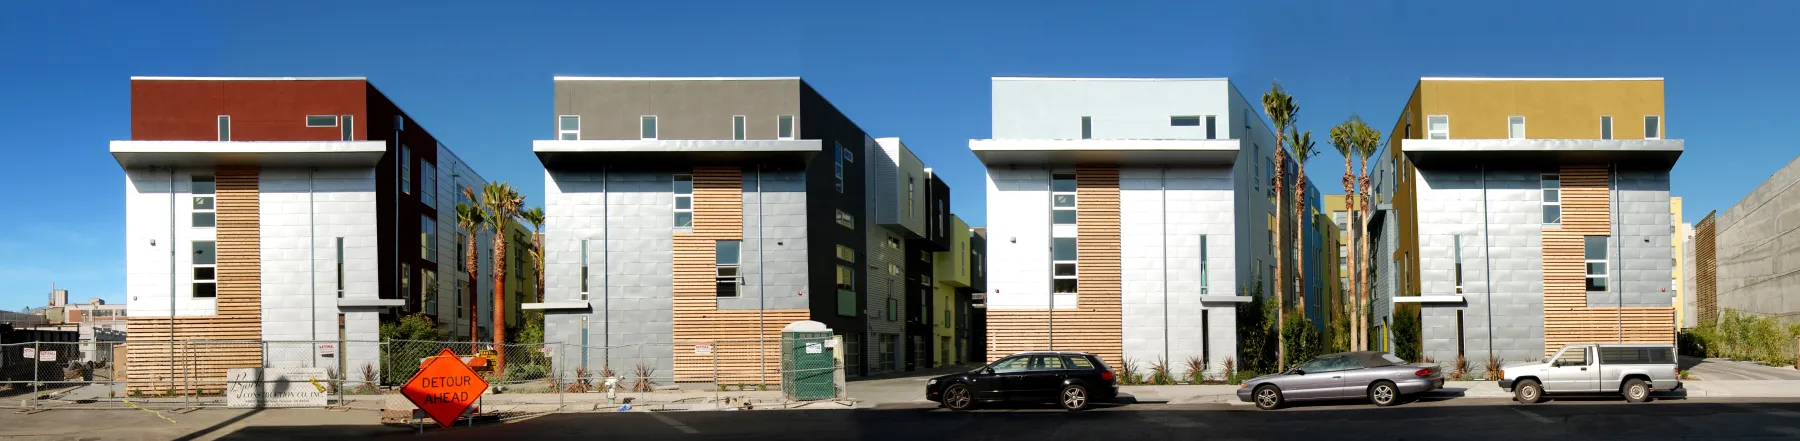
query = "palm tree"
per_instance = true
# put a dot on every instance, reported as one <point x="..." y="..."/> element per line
<point x="1303" y="146"/>
<point x="500" y="203"/>
<point x="1280" y="108"/>
<point x="470" y="222"/>
<point x="1344" y="138"/>
<point x="1368" y="141"/>
<point x="535" y="217"/>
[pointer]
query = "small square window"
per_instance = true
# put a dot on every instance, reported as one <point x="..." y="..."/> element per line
<point x="1437" y="126"/>
<point x="224" y="127"/>
<point x="784" y="127"/>
<point x="1184" y="121"/>
<point x="349" y="130"/>
<point x="1087" y="127"/>
<point x="1212" y="127"/>
<point x="684" y="220"/>
<point x="1065" y="269"/>
<point x="206" y="289"/>
<point x="1063" y="249"/>
<point x="205" y="252"/>
<point x="1652" y="127"/>
<point x="1606" y="127"/>
<point x="1063" y="217"/>
<point x="647" y="129"/>
<point x="1064" y="286"/>
<point x="738" y="130"/>
<point x="321" y="121"/>
<point x="1515" y="127"/>
<point x="568" y="127"/>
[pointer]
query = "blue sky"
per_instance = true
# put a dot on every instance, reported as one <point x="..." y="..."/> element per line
<point x="478" y="76"/>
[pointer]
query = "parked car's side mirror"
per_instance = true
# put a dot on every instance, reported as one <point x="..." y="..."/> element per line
<point x="987" y="371"/>
<point x="1299" y="372"/>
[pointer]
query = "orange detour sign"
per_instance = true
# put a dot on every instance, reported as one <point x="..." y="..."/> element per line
<point x="444" y="387"/>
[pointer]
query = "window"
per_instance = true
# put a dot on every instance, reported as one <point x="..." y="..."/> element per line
<point x="784" y="127"/>
<point x="1457" y="252"/>
<point x="1212" y="127"/>
<point x="1437" y="127"/>
<point x="1459" y="333"/>
<point x="684" y="201"/>
<point x="1652" y="127"/>
<point x="838" y="171"/>
<point x="584" y="269"/>
<point x="406" y="282"/>
<point x="1606" y="127"/>
<point x="206" y="266"/>
<point x="1047" y="363"/>
<point x="1203" y="272"/>
<point x="1184" y="121"/>
<point x="1636" y="355"/>
<point x="1269" y="170"/>
<point x="1015" y="364"/>
<point x="1595" y="253"/>
<point x="427" y="238"/>
<point x="726" y="253"/>
<point x="349" y="130"/>
<point x="947" y="317"/>
<point x="1062" y="199"/>
<point x="846" y="254"/>
<point x="428" y="184"/>
<point x="429" y="290"/>
<point x="1062" y="262"/>
<point x="738" y="131"/>
<point x="942" y="214"/>
<point x="849" y="156"/>
<point x="321" y="121"/>
<point x="893" y="309"/>
<point x="893" y="270"/>
<point x="224" y="127"/>
<point x="911" y="193"/>
<point x="205" y="212"/>
<point x="568" y="127"/>
<point x="462" y="245"/>
<point x="340" y="267"/>
<point x="1573" y="356"/>
<point x="1515" y="127"/>
<point x="1076" y="362"/>
<point x="405" y="169"/>
<point x="1552" y="199"/>
<point x="1087" y="127"/>
<point x="647" y="127"/>
<point x="893" y="242"/>
<point x="846" y="219"/>
<point x="1205" y="335"/>
<point x="846" y="278"/>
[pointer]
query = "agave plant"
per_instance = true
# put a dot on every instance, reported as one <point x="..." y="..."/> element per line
<point x="1196" y="370"/>
<point x="1230" y="369"/>
<point x="1128" y="374"/>
<point x="1159" y="372"/>
<point x="643" y="384"/>
<point x="1460" y="369"/>
<point x="1494" y="363"/>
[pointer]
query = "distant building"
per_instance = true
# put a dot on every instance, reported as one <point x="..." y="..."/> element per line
<point x="1747" y="258"/>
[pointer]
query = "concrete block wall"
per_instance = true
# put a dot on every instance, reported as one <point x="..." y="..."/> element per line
<point x="1164" y="213"/>
<point x="1758" y="246"/>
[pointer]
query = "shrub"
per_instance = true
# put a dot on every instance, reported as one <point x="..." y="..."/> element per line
<point x="1196" y="370"/>
<point x="644" y="375"/>
<point x="1128" y="372"/>
<point x="1256" y="333"/>
<point x="1494" y="364"/>
<point x="1459" y="370"/>
<point x="1744" y="337"/>
<point x="1230" y="370"/>
<point x="1159" y="372"/>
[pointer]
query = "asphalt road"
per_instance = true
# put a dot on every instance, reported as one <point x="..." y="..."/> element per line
<point x="1459" y="419"/>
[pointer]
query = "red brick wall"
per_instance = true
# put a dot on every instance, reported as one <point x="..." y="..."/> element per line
<point x="261" y="110"/>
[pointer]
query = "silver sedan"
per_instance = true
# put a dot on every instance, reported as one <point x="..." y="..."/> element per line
<point x="1380" y="377"/>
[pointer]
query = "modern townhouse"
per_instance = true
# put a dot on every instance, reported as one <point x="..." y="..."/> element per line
<point x="1515" y="216"/>
<point x="690" y="219"/>
<point x="1126" y="217"/>
<point x="283" y="209"/>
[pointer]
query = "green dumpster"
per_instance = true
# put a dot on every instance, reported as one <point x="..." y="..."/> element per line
<point x="808" y="361"/>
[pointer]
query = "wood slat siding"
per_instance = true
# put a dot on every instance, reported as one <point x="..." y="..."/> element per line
<point x="201" y="366"/>
<point x="1587" y="211"/>
<point x="740" y="357"/>
<point x="1093" y="325"/>
<point x="1706" y="266"/>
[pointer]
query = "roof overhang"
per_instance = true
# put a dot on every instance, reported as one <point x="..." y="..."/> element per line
<point x="1065" y="152"/>
<point x="1637" y="153"/>
<point x="558" y="153"/>
<point x="1429" y="299"/>
<point x="370" y="303"/>
<point x="135" y="154"/>
<point x="1224" y="299"/>
<point x="571" y="305"/>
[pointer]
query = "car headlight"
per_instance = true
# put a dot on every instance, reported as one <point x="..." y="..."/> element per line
<point x="1243" y="385"/>
<point x="933" y="381"/>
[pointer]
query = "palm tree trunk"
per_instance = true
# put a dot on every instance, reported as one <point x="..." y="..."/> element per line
<point x="1300" y="222"/>
<point x="474" y="275"/>
<point x="500" y="299"/>
<point x="1363" y="203"/>
<point x="537" y="240"/>
<point x="1280" y="293"/>
<point x="1349" y="182"/>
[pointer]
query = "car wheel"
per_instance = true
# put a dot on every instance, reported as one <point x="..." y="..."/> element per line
<point x="1074" y="397"/>
<point x="1384" y="394"/>
<point x="958" y="397"/>
<point x="1636" y="391"/>
<point x="1268" y="397"/>
<point x="1528" y="392"/>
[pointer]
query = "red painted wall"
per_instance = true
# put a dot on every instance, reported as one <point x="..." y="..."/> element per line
<point x="261" y="110"/>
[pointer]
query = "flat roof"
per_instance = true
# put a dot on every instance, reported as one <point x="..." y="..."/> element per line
<point x="133" y="154"/>
<point x="1651" y="153"/>
<point x="593" y="151"/>
<point x="153" y="78"/>
<point x="1103" y="79"/>
<point x="1538" y="79"/>
<point x="582" y="78"/>
<point x="1216" y="152"/>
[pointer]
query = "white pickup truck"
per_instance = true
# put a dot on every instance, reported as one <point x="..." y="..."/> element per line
<point x="1632" y="370"/>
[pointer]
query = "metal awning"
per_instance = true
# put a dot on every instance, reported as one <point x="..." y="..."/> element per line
<point x="200" y="154"/>
<point x="577" y="154"/>
<point x="1637" y="153"/>
<point x="1069" y="152"/>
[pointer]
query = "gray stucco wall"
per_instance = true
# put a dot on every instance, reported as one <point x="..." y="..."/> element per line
<point x="1641" y="252"/>
<point x="685" y="109"/>
<point x="1502" y="272"/>
<point x="1758" y="248"/>
<point x="774" y="277"/>
<point x="630" y="284"/>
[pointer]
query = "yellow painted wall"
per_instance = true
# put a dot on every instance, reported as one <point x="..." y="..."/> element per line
<point x="1676" y="282"/>
<point x="944" y="327"/>
<point x="950" y="270"/>
<point x="1556" y="109"/>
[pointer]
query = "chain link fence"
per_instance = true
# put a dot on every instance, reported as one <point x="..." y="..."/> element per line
<point x="524" y="379"/>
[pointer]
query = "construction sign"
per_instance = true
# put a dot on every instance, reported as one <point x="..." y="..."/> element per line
<point x="444" y="387"/>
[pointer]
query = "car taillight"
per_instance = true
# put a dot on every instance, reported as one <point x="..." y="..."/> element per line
<point x="1106" y="375"/>
<point x="1426" y="372"/>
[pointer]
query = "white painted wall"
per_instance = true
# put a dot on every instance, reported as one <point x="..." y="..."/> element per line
<point x="148" y="243"/>
<point x="303" y="213"/>
<point x="1051" y="108"/>
<point x="1163" y="213"/>
<point x="1019" y="239"/>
